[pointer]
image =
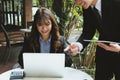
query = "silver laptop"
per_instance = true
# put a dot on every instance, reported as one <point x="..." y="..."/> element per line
<point x="44" y="65"/>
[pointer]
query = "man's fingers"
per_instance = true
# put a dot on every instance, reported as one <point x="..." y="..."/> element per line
<point x="67" y="49"/>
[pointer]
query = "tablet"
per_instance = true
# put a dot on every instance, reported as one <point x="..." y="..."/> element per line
<point x="103" y="41"/>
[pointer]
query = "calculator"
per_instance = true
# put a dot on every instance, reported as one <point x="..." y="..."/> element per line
<point x="17" y="75"/>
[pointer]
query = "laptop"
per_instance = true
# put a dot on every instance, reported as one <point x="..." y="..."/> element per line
<point x="44" y="65"/>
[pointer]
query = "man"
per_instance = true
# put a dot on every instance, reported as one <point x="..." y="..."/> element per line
<point x="107" y="22"/>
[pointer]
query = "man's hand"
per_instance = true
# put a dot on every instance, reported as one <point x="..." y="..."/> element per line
<point x="111" y="47"/>
<point x="73" y="49"/>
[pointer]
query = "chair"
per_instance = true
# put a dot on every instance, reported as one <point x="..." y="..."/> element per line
<point x="10" y="47"/>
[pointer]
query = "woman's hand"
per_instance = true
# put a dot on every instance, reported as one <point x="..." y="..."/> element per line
<point x="111" y="47"/>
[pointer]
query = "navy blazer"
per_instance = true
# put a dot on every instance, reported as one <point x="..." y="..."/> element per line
<point x="108" y="26"/>
<point x="27" y="48"/>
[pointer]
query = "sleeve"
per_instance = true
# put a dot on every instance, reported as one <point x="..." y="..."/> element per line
<point x="68" y="58"/>
<point x="89" y="26"/>
<point x="24" y="49"/>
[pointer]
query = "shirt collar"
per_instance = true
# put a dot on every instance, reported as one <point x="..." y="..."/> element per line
<point x="98" y="5"/>
<point x="49" y="39"/>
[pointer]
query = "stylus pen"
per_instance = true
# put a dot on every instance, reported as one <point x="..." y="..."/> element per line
<point x="67" y="42"/>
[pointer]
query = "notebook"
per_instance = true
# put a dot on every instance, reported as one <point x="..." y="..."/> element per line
<point x="44" y="65"/>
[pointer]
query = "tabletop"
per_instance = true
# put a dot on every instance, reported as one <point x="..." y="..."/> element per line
<point x="69" y="74"/>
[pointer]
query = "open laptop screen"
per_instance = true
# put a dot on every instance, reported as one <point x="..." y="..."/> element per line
<point x="44" y="65"/>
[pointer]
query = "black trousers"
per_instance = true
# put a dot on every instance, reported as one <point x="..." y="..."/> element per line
<point x="108" y="66"/>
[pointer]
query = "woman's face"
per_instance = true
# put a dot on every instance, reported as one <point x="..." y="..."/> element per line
<point x="45" y="28"/>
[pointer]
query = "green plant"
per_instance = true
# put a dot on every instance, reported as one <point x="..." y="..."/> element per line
<point x="69" y="15"/>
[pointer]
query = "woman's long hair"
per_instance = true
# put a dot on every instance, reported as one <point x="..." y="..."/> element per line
<point x="40" y="16"/>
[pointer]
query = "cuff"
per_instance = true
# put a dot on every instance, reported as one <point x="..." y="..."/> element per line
<point x="79" y="45"/>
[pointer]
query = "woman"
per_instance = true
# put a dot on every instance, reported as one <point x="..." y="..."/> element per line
<point x="45" y="37"/>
